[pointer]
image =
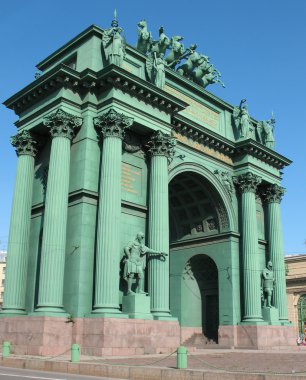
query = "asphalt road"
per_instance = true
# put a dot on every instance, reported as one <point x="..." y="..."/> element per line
<point x="24" y="374"/>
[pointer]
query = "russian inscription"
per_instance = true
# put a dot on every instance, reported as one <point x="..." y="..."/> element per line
<point x="196" y="110"/>
<point x="131" y="179"/>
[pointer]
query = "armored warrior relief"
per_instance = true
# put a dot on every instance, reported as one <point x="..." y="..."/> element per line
<point x="265" y="131"/>
<point x="113" y="43"/>
<point x="242" y="120"/>
<point x="135" y="262"/>
<point x="267" y="284"/>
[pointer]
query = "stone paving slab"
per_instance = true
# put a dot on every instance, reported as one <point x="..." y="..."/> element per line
<point x="208" y="365"/>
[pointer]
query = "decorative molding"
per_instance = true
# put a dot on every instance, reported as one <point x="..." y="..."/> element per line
<point x="24" y="143"/>
<point x="62" y="76"/>
<point x="161" y="144"/>
<point x="62" y="124"/>
<point x="273" y="193"/>
<point x="247" y="182"/>
<point x="226" y="180"/>
<point x="112" y="124"/>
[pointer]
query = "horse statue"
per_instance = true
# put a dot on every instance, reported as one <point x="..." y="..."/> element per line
<point x="194" y="60"/>
<point x="144" y="37"/>
<point x="177" y="51"/>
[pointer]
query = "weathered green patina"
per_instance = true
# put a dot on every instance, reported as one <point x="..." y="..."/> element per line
<point x="129" y="141"/>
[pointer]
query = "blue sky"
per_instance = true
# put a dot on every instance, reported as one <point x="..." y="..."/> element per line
<point x="259" y="46"/>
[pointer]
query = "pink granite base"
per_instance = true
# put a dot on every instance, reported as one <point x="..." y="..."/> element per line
<point x="96" y="336"/>
<point x="188" y="332"/>
<point x="257" y="337"/>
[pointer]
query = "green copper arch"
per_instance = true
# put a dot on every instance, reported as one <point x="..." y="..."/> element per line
<point x="214" y="182"/>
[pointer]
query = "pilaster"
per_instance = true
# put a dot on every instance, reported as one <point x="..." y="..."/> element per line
<point x="161" y="148"/>
<point x="272" y="195"/>
<point x="18" y="245"/>
<point x="111" y="127"/>
<point x="247" y="184"/>
<point x="62" y="127"/>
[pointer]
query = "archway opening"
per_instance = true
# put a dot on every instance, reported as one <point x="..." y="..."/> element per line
<point x="196" y="208"/>
<point x="200" y="280"/>
<point x="197" y="218"/>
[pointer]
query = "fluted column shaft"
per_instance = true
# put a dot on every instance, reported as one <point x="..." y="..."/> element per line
<point x="111" y="126"/>
<point x="273" y="195"/>
<point x="50" y="298"/>
<point x="251" y="271"/>
<point x="161" y="149"/>
<point x="18" y="245"/>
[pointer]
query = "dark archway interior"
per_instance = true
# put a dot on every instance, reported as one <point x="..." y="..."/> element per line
<point x="205" y="273"/>
<point x="193" y="207"/>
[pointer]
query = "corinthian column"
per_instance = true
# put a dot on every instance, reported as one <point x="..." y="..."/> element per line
<point x="273" y="195"/>
<point x="112" y="127"/>
<point x="18" y="245"/>
<point x="247" y="184"/>
<point x="161" y="149"/>
<point x="62" y="127"/>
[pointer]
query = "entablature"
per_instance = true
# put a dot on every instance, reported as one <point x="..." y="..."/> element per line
<point x="89" y="80"/>
<point x="208" y="138"/>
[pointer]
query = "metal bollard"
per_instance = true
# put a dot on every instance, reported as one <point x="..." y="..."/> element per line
<point x="6" y="349"/>
<point x="75" y="353"/>
<point x="181" y="359"/>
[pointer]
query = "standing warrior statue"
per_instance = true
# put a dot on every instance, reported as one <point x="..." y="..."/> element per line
<point x="267" y="284"/>
<point x="113" y="43"/>
<point x="242" y="120"/>
<point x="266" y="132"/>
<point x="135" y="262"/>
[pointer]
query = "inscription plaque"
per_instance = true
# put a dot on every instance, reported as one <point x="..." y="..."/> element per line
<point x="196" y="110"/>
<point x="131" y="179"/>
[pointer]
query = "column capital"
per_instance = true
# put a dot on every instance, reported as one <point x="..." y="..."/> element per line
<point x="62" y="124"/>
<point x="161" y="144"/>
<point x="24" y="143"/>
<point x="247" y="182"/>
<point x="273" y="193"/>
<point x="112" y="124"/>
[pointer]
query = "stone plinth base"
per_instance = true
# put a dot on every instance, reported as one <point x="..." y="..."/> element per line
<point x="49" y="336"/>
<point x="270" y="315"/>
<point x="137" y="306"/>
<point x="257" y="337"/>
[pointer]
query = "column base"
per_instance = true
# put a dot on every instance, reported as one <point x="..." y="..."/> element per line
<point x="50" y="311"/>
<point x="107" y="312"/>
<point x="163" y="316"/>
<point x="12" y="313"/>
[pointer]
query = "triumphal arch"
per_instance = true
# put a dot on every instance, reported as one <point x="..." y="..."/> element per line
<point x="146" y="210"/>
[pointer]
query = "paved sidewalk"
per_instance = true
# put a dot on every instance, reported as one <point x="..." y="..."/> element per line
<point x="203" y="364"/>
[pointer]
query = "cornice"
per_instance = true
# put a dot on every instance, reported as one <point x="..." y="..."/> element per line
<point x="200" y="134"/>
<point x="111" y="76"/>
<point x="206" y="137"/>
<point x="255" y="149"/>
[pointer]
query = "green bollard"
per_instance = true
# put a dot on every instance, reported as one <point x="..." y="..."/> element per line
<point x="6" y="349"/>
<point x="75" y="353"/>
<point x="181" y="358"/>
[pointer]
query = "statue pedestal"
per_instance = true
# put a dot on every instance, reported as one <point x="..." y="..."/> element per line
<point x="137" y="306"/>
<point x="270" y="314"/>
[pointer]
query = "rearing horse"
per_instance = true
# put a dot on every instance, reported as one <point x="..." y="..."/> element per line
<point x="144" y="37"/>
